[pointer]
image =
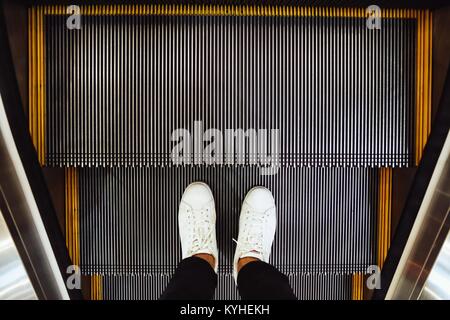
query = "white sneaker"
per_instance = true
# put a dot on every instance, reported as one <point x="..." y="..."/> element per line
<point x="257" y="225"/>
<point x="197" y="222"/>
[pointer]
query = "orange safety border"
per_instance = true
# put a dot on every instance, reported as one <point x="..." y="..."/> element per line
<point x="423" y="80"/>
<point x="384" y="214"/>
<point x="71" y="215"/>
<point x="358" y="286"/>
<point x="96" y="287"/>
<point x="36" y="79"/>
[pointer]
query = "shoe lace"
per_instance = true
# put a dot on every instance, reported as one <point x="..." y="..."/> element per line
<point x="253" y="231"/>
<point x="201" y="227"/>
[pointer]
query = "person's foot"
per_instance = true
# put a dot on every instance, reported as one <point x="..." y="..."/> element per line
<point x="197" y="222"/>
<point x="257" y="225"/>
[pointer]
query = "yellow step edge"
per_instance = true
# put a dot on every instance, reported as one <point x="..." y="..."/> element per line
<point x="96" y="287"/>
<point x="37" y="99"/>
<point x="384" y="218"/>
<point x="38" y="83"/>
<point x="358" y="286"/>
<point x="30" y="73"/>
<point x="423" y="81"/>
<point x="230" y="10"/>
<point x="42" y="89"/>
<point x="430" y="77"/>
<point x="36" y="80"/>
<point x="72" y="220"/>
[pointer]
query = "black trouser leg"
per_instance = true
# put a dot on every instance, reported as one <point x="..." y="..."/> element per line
<point x="260" y="281"/>
<point x="194" y="279"/>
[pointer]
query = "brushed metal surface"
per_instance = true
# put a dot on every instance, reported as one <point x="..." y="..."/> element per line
<point x="428" y="236"/>
<point x="437" y="286"/>
<point x="14" y="281"/>
<point x="21" y="212"/>
<point x="340" y="94"/>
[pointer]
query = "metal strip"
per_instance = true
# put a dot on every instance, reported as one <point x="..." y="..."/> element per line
<point x="150" y="287"/>
<point x="230" y="10"/>
<point x="128" y="217"/>
<point x="36" y="61"/>
<point x="326" y="134"/>
<point x="384" y="214"/>
<point x="423" y="81"/>
<point x="96" y="287"/>
<point x="72" y="218"/>
<point x="358" y="286"/>
<point x="97" y="152"/>
<point x="37" y="52"/>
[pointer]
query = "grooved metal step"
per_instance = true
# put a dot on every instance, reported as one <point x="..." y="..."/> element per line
<point x="150" y="287"/>
<point x="128" y="217"/>
<point x="340" y="93"/>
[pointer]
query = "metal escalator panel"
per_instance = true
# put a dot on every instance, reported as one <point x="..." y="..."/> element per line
<point x="340" y="93"/>
<point x="128" y="217"/>
<point x="15" y="283"/>
<point x="150" y="287"/>
<point x="349" y="103"/>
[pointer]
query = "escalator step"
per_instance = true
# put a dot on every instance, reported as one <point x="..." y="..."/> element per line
<point x="150" y="287"/>
<point x="340" y="93"/>
<point x="128" y="217"/>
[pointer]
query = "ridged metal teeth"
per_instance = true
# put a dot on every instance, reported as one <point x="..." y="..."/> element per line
<point x="341" y="94"/>
<point x="150" y="287"/>
<point x="129" y="217"/>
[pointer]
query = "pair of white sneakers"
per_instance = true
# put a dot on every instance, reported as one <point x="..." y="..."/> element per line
<point x="197" y="224"/>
